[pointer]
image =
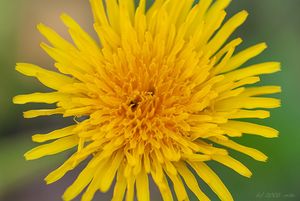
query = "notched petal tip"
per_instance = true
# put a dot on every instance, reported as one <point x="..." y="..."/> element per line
<point x="17" y="100"/>
<point x="28" y="156"/>
<point x="244" y="13"/>
<point x="67" y="20"/>
<point x="279" y="89"/>
<point x="276" y="66"/>
<point x="21" y="68"/>
<point x="239" y="41"/>
<point x="65" y="198"/>
<point x="37" y="138"/>
<point x="29" y="114"/>
<point x="248" y="174"/>
<point x="278" y="104"/>
<point x="275" y="133"/>
<point x="49" y="179"/>
<point x="64" y="16"/>
<point x="262" y="157"/>
<point x="263" y="45"/>
<point x="40" y="27"/>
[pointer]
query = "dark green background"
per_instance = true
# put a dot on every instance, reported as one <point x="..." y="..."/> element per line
<point x="276" y="22"/>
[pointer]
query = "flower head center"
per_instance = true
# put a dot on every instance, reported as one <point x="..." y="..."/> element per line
<point x="142" y="102"/>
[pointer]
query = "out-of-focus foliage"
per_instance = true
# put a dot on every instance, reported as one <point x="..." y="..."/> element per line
<point x="8" y="85"/>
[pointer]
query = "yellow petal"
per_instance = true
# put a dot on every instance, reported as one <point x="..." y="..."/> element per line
<point x="261" y="114"/>
<point x="215" y="8"/>
<point x="86" y="44"/>
<point x="79" y="184"/>
<point x="55" y="39"/>
<point x="245" y="81"/>
<point x="214" y="18"/>
<point x="72" y="25"/>
<point x="120" y="187"/>
<point x="211" y="27"/>
<point x="111" y="170"/>
<point x="108" y="34"/>
<point x="49" y="98"/>
<point x="129" y="6"/>
<point x="227" y="47"/>
<point x="142" y="186"/>
<point x="232" y="93"/>
<point x="257" y="69"/>
<point x="60" y="133"/>
<point x="69" y="62"/>
<point x="255" y="154"/>
<point x="58" y="173"/>
<point x="48" y="78"/>
<point x="256" y="91"/>
<point x="228" y="28"/>
<point x="157" y="170"/>
<point x="212" y="180"/>
<point x="196" y="15"/>
<point x="154" y="7"/>
<point x="233" y="164"/>
<point x="52" y="148"/>
<point x="140" y="23"/>
<point x="80" y="111"/>
<point x="243" y="56"/>
<point x="196" y="157"/>
<point x="178" y="186"/>
<point x="45" y="112"/>
<point x="250" y="128"/>
<point x="164" y="188"/>
<point x="130" y="188"/>
<point x="96" y="182"/>
<point x="176" y="7"/>
<point x="68" y="165"/>
<point x="190" y="181"/>
<point x="99" y="12"/>
<point x="185" y="11"/>
<point x="113" y="14"/>
<point x="223" y="62"/>
<point x="246" y="103"/>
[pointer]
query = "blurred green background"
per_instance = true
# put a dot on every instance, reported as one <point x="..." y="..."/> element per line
<point x="276" y="22"/>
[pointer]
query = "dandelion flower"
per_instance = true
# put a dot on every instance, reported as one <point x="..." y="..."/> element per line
<point x="160" y="94"/>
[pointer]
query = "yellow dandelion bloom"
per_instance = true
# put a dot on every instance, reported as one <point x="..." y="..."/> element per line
<point x="161" y="94"/>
